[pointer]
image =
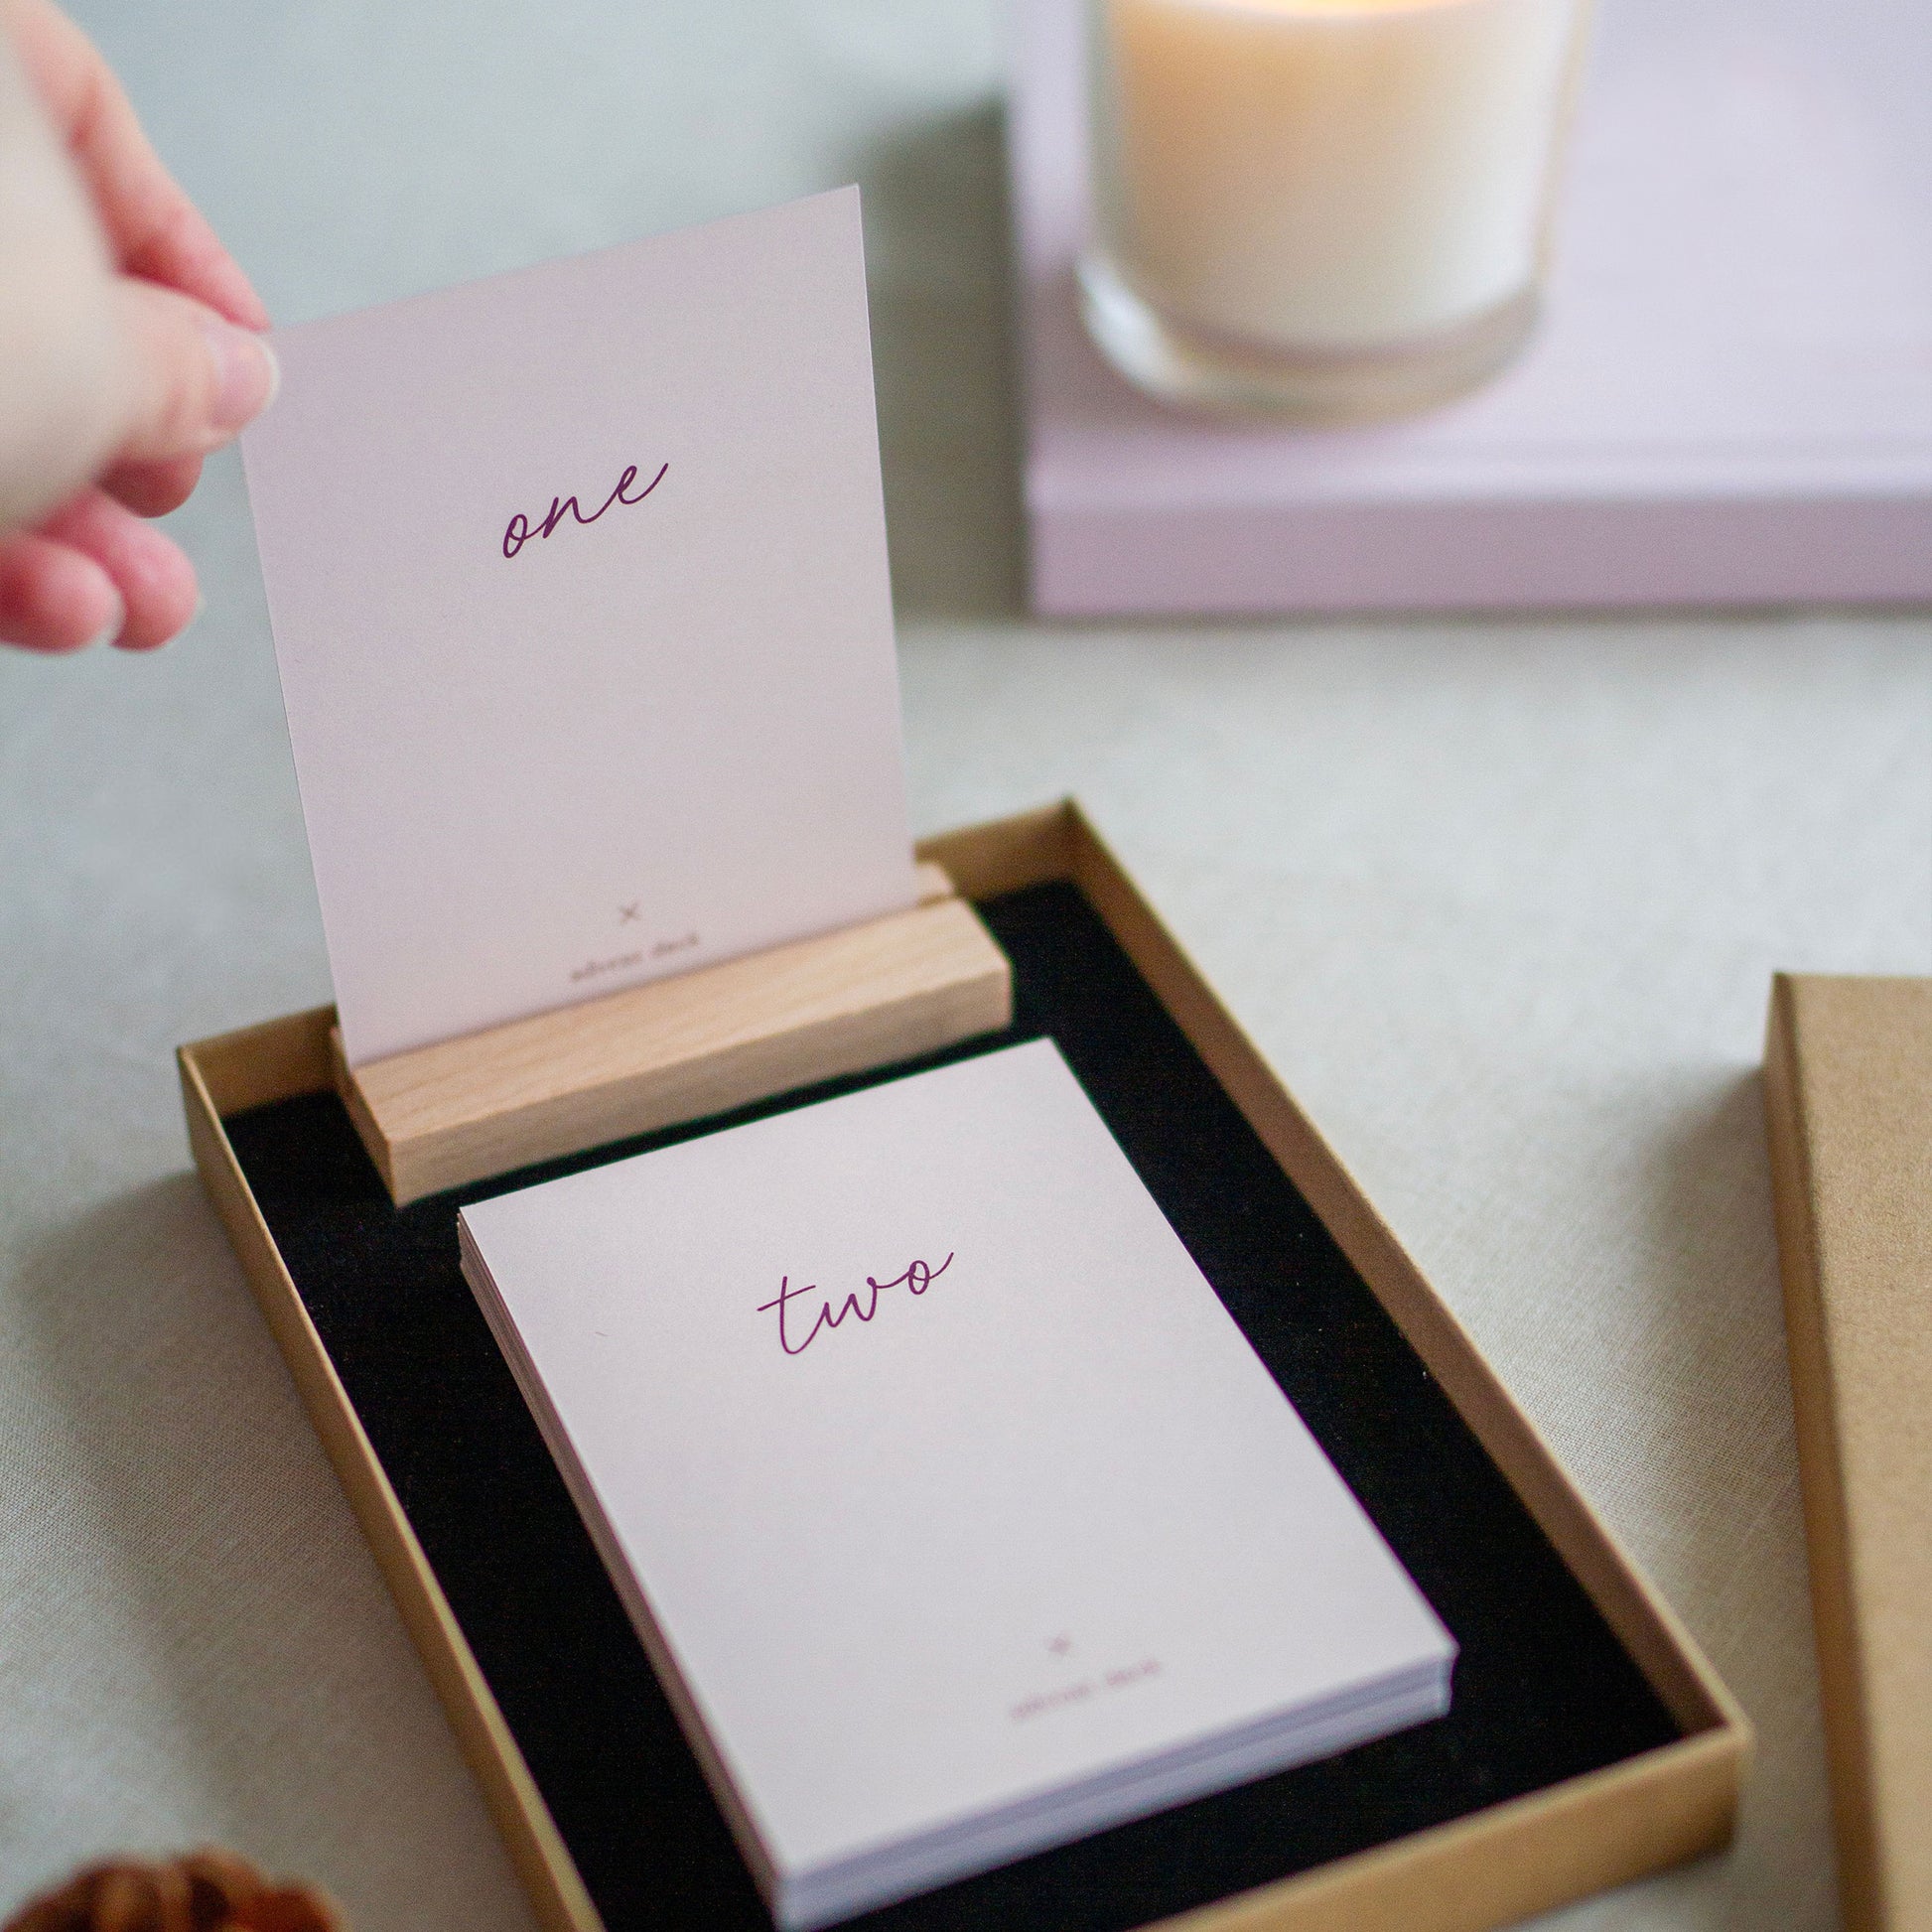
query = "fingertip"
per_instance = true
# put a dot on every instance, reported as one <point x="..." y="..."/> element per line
<point x="114" y="629"/>
<point x="248" y="308"/>
<point x="160" y="592"/>
<point x="217" y="278"/>
<point x="210" y="273"/>
<point x="153" y="489"/>
<point x="248" y="373"/>
<point x="153" y="623"/>
<point x="56" y="600"/>
<point x="148" y="571"/>
<point x="199" y="380"/>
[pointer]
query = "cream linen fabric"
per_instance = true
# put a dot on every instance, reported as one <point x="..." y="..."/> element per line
<point x="1500" y="902"/>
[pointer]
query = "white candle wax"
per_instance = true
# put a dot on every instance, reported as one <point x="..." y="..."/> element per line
<point x="1331" y="174"/>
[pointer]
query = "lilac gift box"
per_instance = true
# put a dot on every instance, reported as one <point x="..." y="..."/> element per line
<point x="1728" y="400"/>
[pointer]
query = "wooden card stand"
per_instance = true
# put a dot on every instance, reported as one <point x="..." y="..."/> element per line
<point x="677" y="1048"/>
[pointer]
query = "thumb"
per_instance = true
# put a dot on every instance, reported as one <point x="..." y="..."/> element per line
<point x="195" y="380"/>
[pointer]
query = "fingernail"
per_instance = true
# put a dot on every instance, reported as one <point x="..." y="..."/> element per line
<point x="247" y="375"/>
<point x="111" y="631"/>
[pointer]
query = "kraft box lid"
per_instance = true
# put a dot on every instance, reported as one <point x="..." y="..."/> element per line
<point x="1849" y="1096"/>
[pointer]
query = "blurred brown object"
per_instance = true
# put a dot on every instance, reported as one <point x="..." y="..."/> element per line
<point x="202" y="1891"/>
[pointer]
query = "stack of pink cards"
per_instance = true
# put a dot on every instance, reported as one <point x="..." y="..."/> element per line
<point x="956" y="1514"/>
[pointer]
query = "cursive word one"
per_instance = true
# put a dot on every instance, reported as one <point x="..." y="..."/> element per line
<point x="520" y="529"/>
<point x="917" y="1276"/>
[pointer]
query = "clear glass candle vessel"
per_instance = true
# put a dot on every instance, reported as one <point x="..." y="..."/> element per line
<point x="1332" y="209"/>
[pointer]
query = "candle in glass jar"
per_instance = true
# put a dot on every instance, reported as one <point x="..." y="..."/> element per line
<point x="1328" y="174"/>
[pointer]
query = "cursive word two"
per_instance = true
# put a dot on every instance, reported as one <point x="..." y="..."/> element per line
<point x="917" y="1276"/>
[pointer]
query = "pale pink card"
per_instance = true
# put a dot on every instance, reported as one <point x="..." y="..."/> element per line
<point x="579" y="586"/>
<point x="957" y="1516"/>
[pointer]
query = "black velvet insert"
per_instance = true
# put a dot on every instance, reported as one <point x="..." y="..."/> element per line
<point x="1542" y="1692"/>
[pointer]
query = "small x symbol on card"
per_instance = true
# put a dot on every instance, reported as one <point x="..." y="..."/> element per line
<point x="626" y="913"/>
<point x="1060" y="1645"/>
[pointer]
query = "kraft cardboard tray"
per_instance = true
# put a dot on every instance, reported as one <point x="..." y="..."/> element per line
<point x="1588" y="1742"/>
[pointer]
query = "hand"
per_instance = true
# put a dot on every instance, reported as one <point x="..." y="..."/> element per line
<point x="179" y="371"/>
